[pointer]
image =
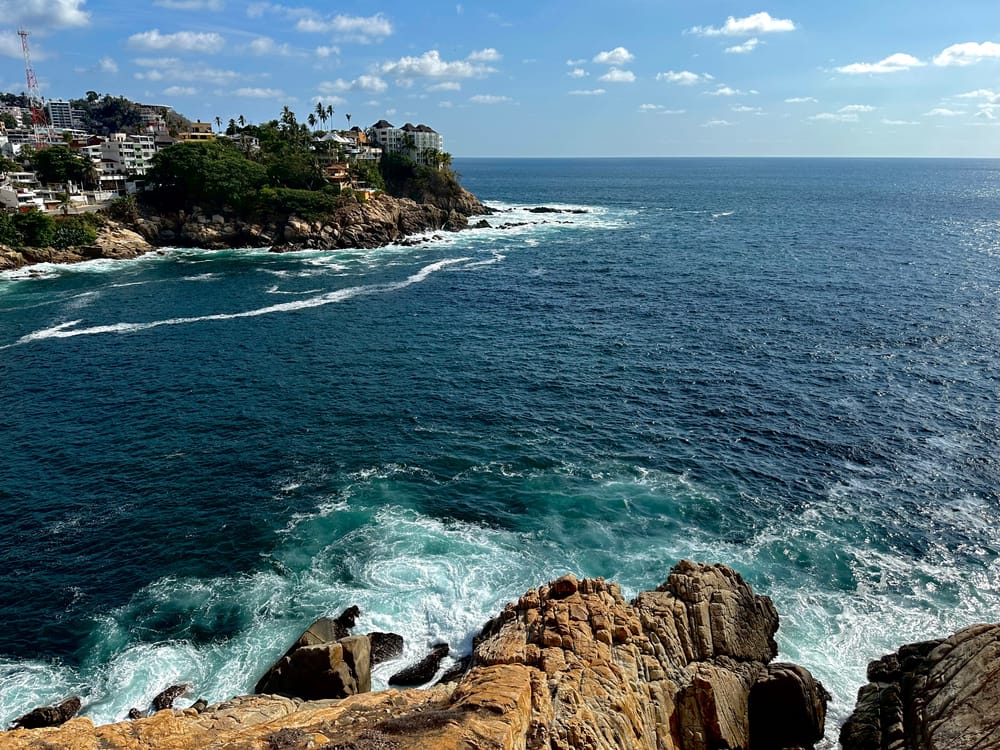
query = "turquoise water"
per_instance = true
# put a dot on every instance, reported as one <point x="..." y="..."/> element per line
<point x="789" y="366"/>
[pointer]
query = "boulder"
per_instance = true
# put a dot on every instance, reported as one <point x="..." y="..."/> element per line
<point x="424" y="670"/>
<point x="385" y="646"/>
<point x="166" y="698"/>
<point x="787" y="708"/>
<point x="48" y="716"/>
<point x="321" y="671"/>
<point x="933" y="694"/>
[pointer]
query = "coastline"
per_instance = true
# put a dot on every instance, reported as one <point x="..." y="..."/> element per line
<point x="379" y="221"/>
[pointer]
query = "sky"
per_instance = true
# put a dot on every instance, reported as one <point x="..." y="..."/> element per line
<point x="549" y="77"/>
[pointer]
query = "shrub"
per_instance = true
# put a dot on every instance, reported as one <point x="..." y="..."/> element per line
<point x="307" y="204"/>
<point x="76" y="230"/>
<point x="36" y="229"/>
<point x="125" y="209"/>
<point x="9" y="234"/>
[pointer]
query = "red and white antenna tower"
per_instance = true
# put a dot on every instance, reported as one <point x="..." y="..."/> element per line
<point x="34" y="95"/>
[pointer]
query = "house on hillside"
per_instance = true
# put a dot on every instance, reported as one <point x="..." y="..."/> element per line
<point x="418" y="142"/>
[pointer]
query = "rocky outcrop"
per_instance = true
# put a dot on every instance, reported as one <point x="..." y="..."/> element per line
<point x="571" y="664"/>
<point x="49" y="716"/>
<point x="378" y="221"/>
<point x="940" y="694"/>
<point x="424" y="670"/>
<point x="114" y="241"/>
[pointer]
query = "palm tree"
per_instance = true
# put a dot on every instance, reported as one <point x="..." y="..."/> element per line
<point x="312" y="120"/>
<point x="329" y="111"/>
<point x="321" y="112"/>
<point x="242" y="121"/>
<point x="218" y="122"/>
<point x="348" y="121"/>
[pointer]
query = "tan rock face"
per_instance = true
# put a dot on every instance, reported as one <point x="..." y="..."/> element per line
<point x="938" y="694"/>
<point x="569" y="665"/>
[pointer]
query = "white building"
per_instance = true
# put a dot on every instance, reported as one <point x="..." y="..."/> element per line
<point x="129" y="154"/>
<point x="20" y="191"/>
<point x="414" y="141"/>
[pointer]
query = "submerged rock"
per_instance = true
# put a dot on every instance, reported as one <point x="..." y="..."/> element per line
<point x="424" y="670"/>
<point x="167" y="697"/>
<point x="385" y="646"/>
<point x="48" y="716"/>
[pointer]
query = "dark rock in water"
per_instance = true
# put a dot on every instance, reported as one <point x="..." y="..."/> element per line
<point x="385" y="646"/>
<point x="457" y="670"/>
<point x="481" y="224"/>
<point x="167" y="697"/>
<point x="787" y="708"/>
<point x="934" y="694"/>
<point x="544" y="210"/>
<point x="48" y="716"/>
<point x="423" y="671"/>
<point x="348" y="618"/>
<point x="200" y="705"/>
<point x="135" y="713"/>
<point x="325" y="670"/>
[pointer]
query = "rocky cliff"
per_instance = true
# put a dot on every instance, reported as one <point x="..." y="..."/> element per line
<point x="942" y="694"/>
<point x="114" y="240"/>
<point x="378" y="221"/>
<point x="571" y="664"/>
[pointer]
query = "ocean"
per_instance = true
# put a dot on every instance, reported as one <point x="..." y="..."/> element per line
<point x="786" y="365"/>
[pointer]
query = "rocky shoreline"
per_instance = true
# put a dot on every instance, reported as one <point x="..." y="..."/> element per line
<point x="378" y="221"/>
<point x="572" y="664"/>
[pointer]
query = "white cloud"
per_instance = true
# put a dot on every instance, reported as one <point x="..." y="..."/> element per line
<point x="182" y="41"/>
<point x="616" y="56"/>
<point x="446" y="104"/>
<point x="446" y="86"/>
<point x="835" y="117"/>
<point x="157" y="62"/>
<point x="616" y="75"/>
<point x="578" y="73"/>
<point x="107" y="65"/>
<point x="328" y="51"/>
<point x="266" y="46"/>
<point x="259" y="93"/>
<point x="891" y="64"/>
<point x="216" y="5"/>
<point x="968" y="53"/>
<point x="574" y="63"/>
<point x="488" y="99"/>
<point x="171" y="68"/>
<point x="746" y="109"/>
<point x="371" y="84"/>
<point x="430" y="65"/>
<point x="758" y="23"/>
<point x="716" y="124"/>
<point x="485" y="55"/>
<point x="985" y="94"/>
<point x="683" y="77"/>
<point x="899" y="122"/>
<point x="802" y="100"/>
<point x="587" y="92"/>
<point x="856" y="108"/>
<point x="723" y="90"/>
<point x="944" y="112"/>
<point x="44" y="14"/>
<point x="741" y="49"/>
<point x="660" y="109"/>
<point x="361" y="29"/>
<point x="180" y="91"/>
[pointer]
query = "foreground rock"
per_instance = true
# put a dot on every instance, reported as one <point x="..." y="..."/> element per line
<point x="569" y="665"/>
<point x="936" y="694"/>
<point x="114" y="241"/>
<point x="48" y="716"/>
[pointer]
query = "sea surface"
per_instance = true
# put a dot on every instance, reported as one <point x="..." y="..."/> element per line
<point x="786" y="365"/>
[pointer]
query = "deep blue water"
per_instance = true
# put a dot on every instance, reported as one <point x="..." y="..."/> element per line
<point x="786" y="365"/>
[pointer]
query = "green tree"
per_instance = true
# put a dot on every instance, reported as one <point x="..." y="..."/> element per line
<point x="36" y="229"/>
<point x="211" y="174"/>
<point x="61" y="164"/>
<point x="8" y="120"/>
<point x="9" y="233"/>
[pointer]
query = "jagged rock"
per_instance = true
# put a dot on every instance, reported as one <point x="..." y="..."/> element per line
<point x="935" y="694"/>
<point x="787" y="708"/>
<point x="48" y="716"/>
<point x="571" y="664"/>
<point x="424" y="670"/>
<point x="457" y="670"/>
<point x="166" y="698"/>
<point x="385" y="646"/>
<point x="325" y="670"/>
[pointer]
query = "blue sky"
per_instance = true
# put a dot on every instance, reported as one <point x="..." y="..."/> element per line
<point x="549" y="78"/>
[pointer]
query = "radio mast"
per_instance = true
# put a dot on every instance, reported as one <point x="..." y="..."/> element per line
<point x="38" y="120"/>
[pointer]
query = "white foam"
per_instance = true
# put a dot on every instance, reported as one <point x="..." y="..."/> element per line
<point x="68" y="329"/>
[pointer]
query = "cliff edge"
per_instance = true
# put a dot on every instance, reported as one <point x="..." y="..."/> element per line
<point x="571" y="664"/>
